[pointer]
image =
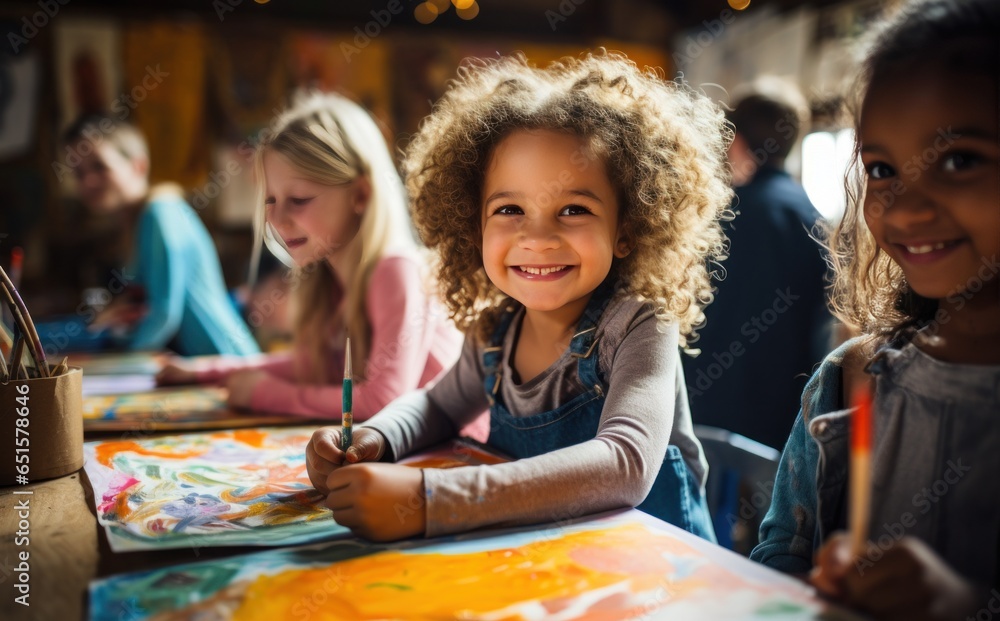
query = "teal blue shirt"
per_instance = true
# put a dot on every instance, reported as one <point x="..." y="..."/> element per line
<point x="174" y="259"/>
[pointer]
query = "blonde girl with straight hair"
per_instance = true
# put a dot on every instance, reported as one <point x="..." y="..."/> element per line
<point x="331" y="205"/>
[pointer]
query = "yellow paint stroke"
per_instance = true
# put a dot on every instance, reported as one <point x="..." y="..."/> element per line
<point x="620" y="568"/>
<point x="106" y="451"/>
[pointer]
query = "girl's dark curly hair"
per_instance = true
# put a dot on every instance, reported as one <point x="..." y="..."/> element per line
<point x="663" y="145"/>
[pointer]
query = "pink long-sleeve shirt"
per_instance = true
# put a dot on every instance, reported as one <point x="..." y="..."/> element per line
<point x="412" y="344"/>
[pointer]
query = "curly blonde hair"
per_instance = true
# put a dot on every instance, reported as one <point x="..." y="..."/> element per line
<point x="664" y="149"/>
<point x="870" y="292"/>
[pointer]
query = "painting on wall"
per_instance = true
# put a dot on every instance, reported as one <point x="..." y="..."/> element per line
<point x="19" y="81"/>
<point x="88" y="70"/>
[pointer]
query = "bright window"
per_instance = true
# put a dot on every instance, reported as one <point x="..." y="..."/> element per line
<point x="825" y="157"/>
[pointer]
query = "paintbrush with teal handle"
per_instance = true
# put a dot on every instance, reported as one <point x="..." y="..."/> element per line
<point x="347" y="426"/>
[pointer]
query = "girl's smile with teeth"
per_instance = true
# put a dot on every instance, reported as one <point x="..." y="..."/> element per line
<point x="542" y="271"/>
<point x="925" y="248"/>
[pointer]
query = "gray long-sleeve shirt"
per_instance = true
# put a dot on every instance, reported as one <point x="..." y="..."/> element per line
<point x="646" y="408"/>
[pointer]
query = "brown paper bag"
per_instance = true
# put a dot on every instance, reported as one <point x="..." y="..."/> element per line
<point x="50" y="443"/>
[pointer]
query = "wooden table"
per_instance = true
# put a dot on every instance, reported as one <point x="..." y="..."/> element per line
<point x="62" y="549"/>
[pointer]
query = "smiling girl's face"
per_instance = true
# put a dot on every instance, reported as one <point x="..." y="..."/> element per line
<point x="931" y="151"/>
<point x="311" y="219"/>
<point x="550" y="222"/>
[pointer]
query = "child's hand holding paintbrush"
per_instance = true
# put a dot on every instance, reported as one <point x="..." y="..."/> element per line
<point x="369" y="505"/>
<point x="366" y="497"/>
<point x="835" y="560"/>
<point x="333" y="447"/>
<point x="908" y="578"/>
<point x="385" y="507"/>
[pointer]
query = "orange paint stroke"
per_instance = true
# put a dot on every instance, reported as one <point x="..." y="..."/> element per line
<point x="281" y="479"/>
<point x="106" y="451"/>
<point x="251" y="437"/>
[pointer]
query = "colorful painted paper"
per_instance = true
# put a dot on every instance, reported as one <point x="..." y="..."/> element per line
<point x="189" y="408"/>
<point x="234" y="487"/>
<point x="117" y="384"/>
<point x="627" y="566"/>
<point x="129" y="363"/>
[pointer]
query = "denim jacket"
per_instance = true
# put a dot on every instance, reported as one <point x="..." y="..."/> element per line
<point x="936" y="464"/>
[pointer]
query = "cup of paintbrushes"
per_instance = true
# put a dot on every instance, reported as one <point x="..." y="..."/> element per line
<point x="42" y="423"/>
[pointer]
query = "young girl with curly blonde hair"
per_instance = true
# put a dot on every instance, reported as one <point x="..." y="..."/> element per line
<point x="573" y="210"/>
<point x="916" y="259"/>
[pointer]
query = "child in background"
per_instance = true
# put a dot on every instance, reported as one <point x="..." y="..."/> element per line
<point x="916" y="271"/>
<point x="174" y="268"/>
<point x="332" y="204"/>
<point x="574" y="210"/>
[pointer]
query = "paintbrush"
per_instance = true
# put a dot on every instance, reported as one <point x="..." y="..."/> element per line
<point x="16" y="263"/>
<point x="347" y="424"/>
<point x="21" y="330"/>
<point x="60" y="368"/>
<point x="15" y="357"/>
<point x="22" y="316"/>
<point x="6" y="336"/>
<point x="861" y="469"/>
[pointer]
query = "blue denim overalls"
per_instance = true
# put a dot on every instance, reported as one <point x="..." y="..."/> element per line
<point x="676" y="496"/>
